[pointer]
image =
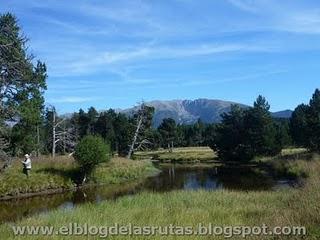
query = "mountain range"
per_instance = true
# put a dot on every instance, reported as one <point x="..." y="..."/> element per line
<point x="189" y="111"/>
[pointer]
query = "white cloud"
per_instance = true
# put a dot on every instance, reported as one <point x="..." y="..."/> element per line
<point x="73" y="99"/>
<point x="115" y="36"/>
<point x="283" y="16"/>
<point x="106" y="60"/>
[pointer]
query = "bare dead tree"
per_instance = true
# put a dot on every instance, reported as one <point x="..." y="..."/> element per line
<point x="66" y="138"/>
<point x="143" y="119"/>
<point x="61" y="134"/>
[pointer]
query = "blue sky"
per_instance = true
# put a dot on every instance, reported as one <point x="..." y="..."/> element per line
<point x="116" y="53"/>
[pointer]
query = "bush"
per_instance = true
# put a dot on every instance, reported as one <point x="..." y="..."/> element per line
<point x="91" y="151"/>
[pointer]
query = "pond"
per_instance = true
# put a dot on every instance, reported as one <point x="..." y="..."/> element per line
<point x="172" y="177"/>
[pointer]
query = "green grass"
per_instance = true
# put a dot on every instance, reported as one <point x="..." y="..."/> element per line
<point x="183" y="155"/>
<point x="60" y="173"/>
<point x="121" y="170"/>
<point x="284" y="207"/>
<point x="291" y="151"/>
<point x="288" y="163"/>
<point x="46" y="174"/>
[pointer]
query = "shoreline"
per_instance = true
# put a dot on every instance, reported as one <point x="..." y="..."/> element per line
<point x="64" y="190"/>
<point x="34" y="194"/>
<point x="285" y="207"/>
<point x="51" y="191"/>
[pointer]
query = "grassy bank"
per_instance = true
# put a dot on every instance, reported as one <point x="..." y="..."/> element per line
<point x="285" y="207"/>
<point x="61" y="173"/>
<point x="181" y="155"/>
<point x="120" y="170"/>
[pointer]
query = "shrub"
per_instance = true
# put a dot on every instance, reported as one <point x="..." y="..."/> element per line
<point x="91" y="151"/>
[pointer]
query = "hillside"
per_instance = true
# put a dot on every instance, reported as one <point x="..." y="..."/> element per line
<point x="189" y="111"/>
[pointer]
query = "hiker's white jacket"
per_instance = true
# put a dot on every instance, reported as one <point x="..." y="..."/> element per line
<point x="27" y="163"/>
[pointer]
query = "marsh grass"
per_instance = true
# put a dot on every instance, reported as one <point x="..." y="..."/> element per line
<point x="182" y="155"/>
<point x="122" y="170"/>
<point x="288" y="163"/>
<point x="46" y="174"/>
<point x="283" y="207"/>
<point x="63" y="173"/>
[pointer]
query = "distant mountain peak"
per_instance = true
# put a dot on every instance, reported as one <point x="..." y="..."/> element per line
<point x="189" y="111"/>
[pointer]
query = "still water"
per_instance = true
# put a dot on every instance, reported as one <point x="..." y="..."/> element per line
<point x="172" y="177"/>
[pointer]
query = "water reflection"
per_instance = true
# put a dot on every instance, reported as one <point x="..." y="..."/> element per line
<point x="16" y="209"/>
<point x="185" y="177"/>
<point x="172" y="177"/>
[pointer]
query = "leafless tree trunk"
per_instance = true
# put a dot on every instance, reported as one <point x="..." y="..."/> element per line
<point x="143" y="121"/>
<point x="135" y="137"/>
<point x="64" y="137"/>
<point x="61" y="135"/>
<point x="54" y="134"/>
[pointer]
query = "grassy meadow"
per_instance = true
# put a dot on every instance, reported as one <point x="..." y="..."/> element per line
<point x="180" y="155"/>
<point x="61" y="173"/>
<point x="282" y="207"/>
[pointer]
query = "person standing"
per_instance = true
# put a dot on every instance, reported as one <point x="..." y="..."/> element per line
<point x="26" y="165"/>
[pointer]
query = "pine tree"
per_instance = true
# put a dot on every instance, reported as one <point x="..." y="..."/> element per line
<point x="83" y="121"/>
<point x="124" y="130"/>
<point x="313" y="122"/>
<point x="246" y="133"/>
<point x="299" y="125"/>
<point x="230" y="140"/>
<point x="260" y="129"/>
<point x="283" y="137"/>
<point x="168" y="131"/>
<point x="105" y="127"/>
<point x="21" y="86"/>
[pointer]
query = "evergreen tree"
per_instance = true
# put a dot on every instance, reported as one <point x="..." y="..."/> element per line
<point x="283" y="137"/>
<point x="123" y="133"/>
<point x="15" y="67"/>
<point x="230" y="139"/>
<point x="26" y="133"/>
<point x="154" y="136"/>
<point x="209" y="135"/>
<point x="168" y="131"/>
<point x="180" y="140"/>
<point x="198" y="132"/>
<point x="21" y="86"/>
<point x="83" y="121"/>
<point x="105" y="127"/>
<point x="244" y="134"/>
<point x="299" y="125"/>
<point x="260" y="129"/>
<point x="313" y="122"/>
<point x="47" y="129"/>
<point x="92" y="117"/>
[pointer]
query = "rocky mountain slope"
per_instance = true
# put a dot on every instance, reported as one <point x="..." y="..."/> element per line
<point x="189" y="111"/>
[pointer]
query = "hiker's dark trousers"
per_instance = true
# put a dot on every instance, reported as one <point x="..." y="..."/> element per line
<point x="26" y="171"/>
